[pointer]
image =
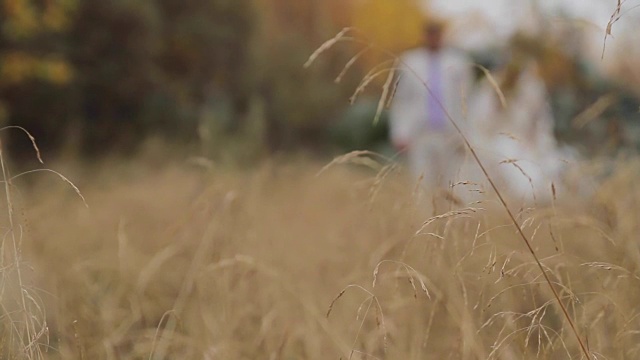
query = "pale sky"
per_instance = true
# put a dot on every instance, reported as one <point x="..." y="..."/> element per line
<point x="505" y="16"/>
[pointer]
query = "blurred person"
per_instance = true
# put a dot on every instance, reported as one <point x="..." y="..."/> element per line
<point x="514" y="135"/>
<point x="433" y="85"/>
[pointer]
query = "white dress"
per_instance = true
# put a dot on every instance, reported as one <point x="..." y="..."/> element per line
<point x="516" y="142"/>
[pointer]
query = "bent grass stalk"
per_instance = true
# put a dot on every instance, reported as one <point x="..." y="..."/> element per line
<point x="512" y="218"/>
<point x="31" y="345"/>
<point x="32" y="333"/>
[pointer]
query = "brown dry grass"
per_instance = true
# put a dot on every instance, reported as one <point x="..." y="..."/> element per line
<point x="245" y="264"/>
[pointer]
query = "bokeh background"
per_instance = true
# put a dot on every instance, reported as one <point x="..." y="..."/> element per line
<point x="224" y="79"/>
<point x="190" y="207"/>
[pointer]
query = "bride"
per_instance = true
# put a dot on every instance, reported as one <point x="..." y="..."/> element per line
<point x="512" y="132"/>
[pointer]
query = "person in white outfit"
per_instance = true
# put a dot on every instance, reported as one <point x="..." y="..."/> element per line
<point x="434" y="80"/>
<point x="514" y="136"/>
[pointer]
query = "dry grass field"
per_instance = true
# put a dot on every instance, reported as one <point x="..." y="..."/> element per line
<point x="277" y="262"/>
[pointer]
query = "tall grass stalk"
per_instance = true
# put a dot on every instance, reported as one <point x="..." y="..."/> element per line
<point x="527" y="242"/>
<point x="29" y="332"/>
<point x="30" y="345"/>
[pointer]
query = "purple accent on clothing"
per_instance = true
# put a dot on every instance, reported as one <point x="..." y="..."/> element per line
<point x="435" y="99"/>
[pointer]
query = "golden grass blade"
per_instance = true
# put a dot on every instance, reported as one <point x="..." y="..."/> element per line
<point x="335" y="299"/>
<point x="411" y="272"/>
<point x="64" y="178"/>
<point x="369" y="77"/>
<point x="350" y="63"/>
<point x="31" y="138"/>
<point x="78" y="340"/>
<point x="326" y="46"/>
<point x="346" y="158"/>
<point x="513" y="220"/>
<point x="157" y="333"/>
<point x="386" y="91"/>
<point x="615" y="16"/>
<point x="592" y="112"/>
<point x="494" y="85"/>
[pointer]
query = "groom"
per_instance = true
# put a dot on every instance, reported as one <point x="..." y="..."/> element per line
<point x="434" y="81"/>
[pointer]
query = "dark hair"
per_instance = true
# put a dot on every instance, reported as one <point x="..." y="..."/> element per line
<point x="434" y="25"/>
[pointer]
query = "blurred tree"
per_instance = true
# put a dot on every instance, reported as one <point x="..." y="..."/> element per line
<point x="113" y="46"/>
<point x="34" y="71"/>
<point x="207" y="47"/>
<point x="98" y="76"/>
<point x="105" y="74"/>
<point x="391" y="25"/>
<point x="300" y="104"/>
<point x="356" y="131"/>
<point x="593" y="113"/>
<point x="147" y="66"/>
